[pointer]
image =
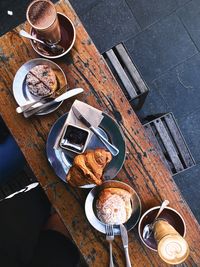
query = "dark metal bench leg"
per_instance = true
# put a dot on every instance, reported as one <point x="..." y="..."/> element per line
<point x="138" y="102"/>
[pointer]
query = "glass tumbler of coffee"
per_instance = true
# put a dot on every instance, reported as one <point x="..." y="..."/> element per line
<point x="172" y="247"/>
<point x="42" y="16"/>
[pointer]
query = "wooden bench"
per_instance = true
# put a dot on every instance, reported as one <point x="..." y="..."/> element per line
<point x="167" y="138"/>
<point x="127" y="75"/>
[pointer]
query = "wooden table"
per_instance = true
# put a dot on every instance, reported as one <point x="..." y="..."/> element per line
<point x="143" y="170"/>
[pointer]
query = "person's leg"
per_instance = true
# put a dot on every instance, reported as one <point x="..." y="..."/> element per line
<point x="11" y="159"/>
<point x="53" y="250"/>
<point x="55" y="247"/>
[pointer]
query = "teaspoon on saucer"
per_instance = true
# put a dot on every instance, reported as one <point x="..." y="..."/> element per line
<point x="148" y="229"/>
<point x="54" y="48"/>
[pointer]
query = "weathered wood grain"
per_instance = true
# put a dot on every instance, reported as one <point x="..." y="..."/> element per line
<point x="143" y="169"/>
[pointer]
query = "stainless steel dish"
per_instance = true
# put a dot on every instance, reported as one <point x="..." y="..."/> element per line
<point x="90" y="207"/>
<point x="20" y="89"/>
<point x="62" y="161"/>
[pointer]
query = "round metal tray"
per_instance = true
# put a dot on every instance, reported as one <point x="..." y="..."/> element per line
<point x="20" y="89"/>
<point x="62" y="161"/>
<point x="90" y="206"/>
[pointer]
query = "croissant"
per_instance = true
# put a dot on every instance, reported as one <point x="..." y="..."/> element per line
<point x="88" y="167"/>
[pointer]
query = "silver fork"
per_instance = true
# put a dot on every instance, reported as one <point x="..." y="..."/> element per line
<point x="28" y="106"/>
<point x="110" y="238"/>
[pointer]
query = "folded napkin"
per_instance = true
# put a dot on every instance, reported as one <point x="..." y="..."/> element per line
<point x="93" y="115"/>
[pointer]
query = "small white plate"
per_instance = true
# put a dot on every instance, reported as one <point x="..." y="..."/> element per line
<point x="20" y="89"/>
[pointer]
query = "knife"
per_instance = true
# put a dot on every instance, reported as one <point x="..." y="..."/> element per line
<point x="58" y="99"/>
<point x="124" y="236"/>
<point x="113" y="150"/>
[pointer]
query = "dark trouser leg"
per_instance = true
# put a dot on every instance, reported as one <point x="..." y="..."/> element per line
<point x="55" y="250"/>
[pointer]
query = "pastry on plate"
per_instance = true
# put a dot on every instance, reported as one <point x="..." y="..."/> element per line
<point x="88" y="167"/>
<point x="41" y="80"/>
<point x="114" y="206"/>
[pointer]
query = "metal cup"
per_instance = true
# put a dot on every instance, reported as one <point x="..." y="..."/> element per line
<point x="42" y="16"/>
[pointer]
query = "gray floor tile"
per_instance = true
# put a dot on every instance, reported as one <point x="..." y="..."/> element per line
<point x="149" y="11"/>
<point x="180" y="87"/>
<point x="81" y="7"/>
<point x="160" y="47"/>
<point x="190" y="127"/>
<point x="189" y="15"/>
<point x="182" y="2"/>
<point x="109" y="23"/>
<point x="189" y="183"/>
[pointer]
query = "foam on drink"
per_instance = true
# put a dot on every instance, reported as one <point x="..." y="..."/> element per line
<point x="42" y="14"/>
<point x="172" y="247"/>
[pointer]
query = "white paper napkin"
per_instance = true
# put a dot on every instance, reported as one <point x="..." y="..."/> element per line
<point x="93" y="115"/>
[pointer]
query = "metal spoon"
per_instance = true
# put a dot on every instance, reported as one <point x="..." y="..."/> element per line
<point x="54" y="48"/>
<point x="148" y="229"/>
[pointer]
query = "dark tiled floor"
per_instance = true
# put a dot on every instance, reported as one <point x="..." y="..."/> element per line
<point x="189" y="15"/>
<point x="82" y="7"/>
<point x="151" y="49"/>
<point x="163" y="39"/>
<point x="188" y="183"/>
<point x="190" y="126"/>
<point x="113" y="22"/>
<point x="148" y="12"/>
<point x="182" y="2"/>
<point x="181" y="83"/>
